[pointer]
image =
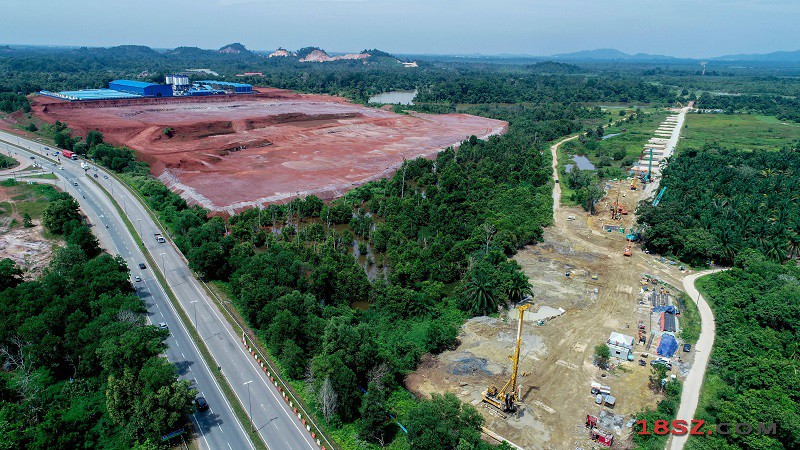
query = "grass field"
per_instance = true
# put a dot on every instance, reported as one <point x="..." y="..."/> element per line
<point x="740" y="131"/>
<point x="606" y="155"/>
<point x="26" y="198"/>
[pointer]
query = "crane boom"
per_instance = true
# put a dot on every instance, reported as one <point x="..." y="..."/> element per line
<point x="506" y="399"/>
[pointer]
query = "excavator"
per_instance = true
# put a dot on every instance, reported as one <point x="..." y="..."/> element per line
<point x="505" y="399"/>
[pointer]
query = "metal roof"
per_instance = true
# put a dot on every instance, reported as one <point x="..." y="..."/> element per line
<point x="131" y="83"/>
<point x="225" y="83"/>
<point x="90" y="94"/>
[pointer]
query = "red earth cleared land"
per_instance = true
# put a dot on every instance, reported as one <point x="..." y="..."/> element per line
<point x="228" y="153"/>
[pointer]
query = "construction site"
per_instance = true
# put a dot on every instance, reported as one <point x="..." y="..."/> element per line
<point x="230" y="152"/>
<point x="532" y="371"/>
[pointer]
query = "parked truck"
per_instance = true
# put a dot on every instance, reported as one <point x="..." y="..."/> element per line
<point x="159" y="238"/>
<point x="69" y="154"/>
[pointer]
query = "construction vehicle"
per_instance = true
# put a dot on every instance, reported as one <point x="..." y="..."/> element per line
<point x="633" y="183"/>
<point x="506" y="398"/>
<point x="617" y="211"/>
<point x="627" y="251"/>
<point x="658" y="197"/>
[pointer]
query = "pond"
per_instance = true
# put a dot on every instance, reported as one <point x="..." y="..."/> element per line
<point x="581" y="161"/>
<point x="395" y="97"/>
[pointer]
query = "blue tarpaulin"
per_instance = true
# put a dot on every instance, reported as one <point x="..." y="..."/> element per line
<point x="668" y="345"/>
<point x="668" y="308"/>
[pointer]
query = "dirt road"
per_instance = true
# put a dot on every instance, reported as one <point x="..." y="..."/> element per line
<point x="694" y="381"/>
<point x="557" y="186"/>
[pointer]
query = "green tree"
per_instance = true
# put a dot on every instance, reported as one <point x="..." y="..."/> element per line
<point x="480" y="292"/>
<point x="10" y="274"/>
<point x="442" y="423"/>
<point x="93" y="138"/>
<point x="602" y="353"/>
<point x="27" y="221"/>
<point x="60" y="211"/>
<point x="372" y="415"/>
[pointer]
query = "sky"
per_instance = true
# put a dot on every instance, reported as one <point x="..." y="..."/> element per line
<point x="682" y="28"/>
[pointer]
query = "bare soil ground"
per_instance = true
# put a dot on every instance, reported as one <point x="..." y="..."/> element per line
<point x="28" y="247"/>
<point x="231" y="152"/>
<point x="557" y="368"/>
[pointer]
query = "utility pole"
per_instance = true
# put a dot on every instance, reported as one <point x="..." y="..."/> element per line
<point x="250" y="406"/>
<point x="163" y="267"/>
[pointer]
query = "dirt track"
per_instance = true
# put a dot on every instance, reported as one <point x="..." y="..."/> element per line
<point x="230" y="152"/>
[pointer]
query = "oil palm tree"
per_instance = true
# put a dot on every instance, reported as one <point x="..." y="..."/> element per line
<point x="520" y="287"/>
<point x="480" y="292"/>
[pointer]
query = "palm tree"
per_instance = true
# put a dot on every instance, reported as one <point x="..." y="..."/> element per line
<point x="480" y="292"/>
<point x="520" y="287"/>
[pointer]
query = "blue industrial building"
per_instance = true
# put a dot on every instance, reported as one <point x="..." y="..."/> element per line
<point x="141" y="88"/>
<point x="236" y="88"/>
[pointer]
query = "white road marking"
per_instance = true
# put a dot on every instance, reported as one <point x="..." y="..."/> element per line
<point x="184" y="356"/>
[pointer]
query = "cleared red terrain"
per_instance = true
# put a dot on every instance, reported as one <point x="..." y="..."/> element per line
<point x="231" y="152"/>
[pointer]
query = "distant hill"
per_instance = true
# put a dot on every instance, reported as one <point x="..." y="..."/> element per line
<point x="234" y="48"/>
<point x="125" y="50"/>
<point x="782" y="56"/>
<point x="316" y="54"/>
<point x="609" y="54"/>
<point x="190" y="52"/>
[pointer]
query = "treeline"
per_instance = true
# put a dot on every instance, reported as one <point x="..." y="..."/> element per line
<point x="492" y="86"/>
<point x="81" y="368"/>
<point x="753" y="372"/>
<point x="438" y="80"/>
<point x="719" y="202"/>
<point x="10" y="102"/>
<point x="782" y="107"/>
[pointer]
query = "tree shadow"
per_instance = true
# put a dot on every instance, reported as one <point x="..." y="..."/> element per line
<point x="182" y="367"/>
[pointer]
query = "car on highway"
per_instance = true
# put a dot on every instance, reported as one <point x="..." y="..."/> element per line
<point x="61" y="167"/>
<point x="163" y="326"/>
<point x="95" y="175"/>
<point x="105" y="177"/>
<point x="33" y="157"/>
<point x="137" y="278"/>
<point x="201" y="403"/>
<point x="142" y="266"/>
<point x="74" y="183"/>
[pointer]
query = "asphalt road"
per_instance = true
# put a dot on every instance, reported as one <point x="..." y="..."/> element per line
<point x="217" y="427"/>
<point x="271" y="416"/>
<point x="694" y="381"/>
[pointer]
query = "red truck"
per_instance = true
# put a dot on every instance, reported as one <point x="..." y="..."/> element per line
<point x="69" y="154"/>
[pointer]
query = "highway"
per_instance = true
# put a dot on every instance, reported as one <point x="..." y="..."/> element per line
<point x="271" y="416"/>
<point x="217" y="427"/>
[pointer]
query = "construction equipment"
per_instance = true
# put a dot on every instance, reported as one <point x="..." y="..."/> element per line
<point x="649" y="177"/>
<point x="658" y="197"/>
<point x="505" y="399"/>
<point x="633" y="183"/>
<point x="627" y="251"/>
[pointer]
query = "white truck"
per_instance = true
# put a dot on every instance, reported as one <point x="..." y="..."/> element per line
<point x="159" y="238"/>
